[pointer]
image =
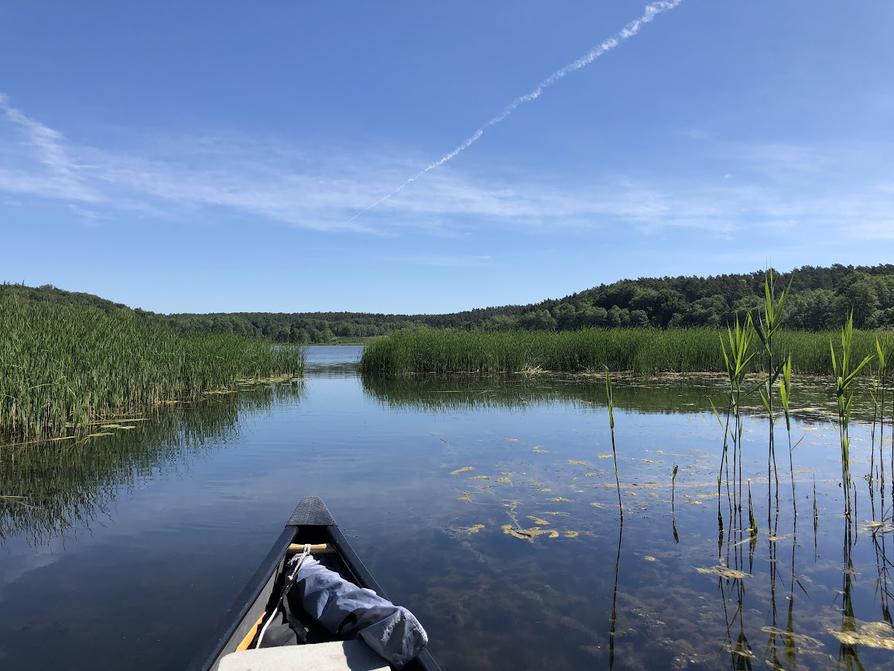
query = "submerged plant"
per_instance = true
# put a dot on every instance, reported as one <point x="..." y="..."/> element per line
<point x="845" y="374"/>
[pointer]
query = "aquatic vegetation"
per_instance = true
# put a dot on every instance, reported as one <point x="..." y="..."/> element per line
<point x="767" y="325"/>
<point x="845" y="374"/>
<point x="611" y="423"/>
<point x="528" y="534"/>
<point x="66" y="367"/>
<point x="737" y="358"/>
<point x="473" y="529"/>
<point x="785" y="397"/>
<point x="723" y="572"/>
<point x="539" y="521"/>
<point x="871" y="634"/>
<point x="640" y="350"/>
<point x="673" y="488"/>
<point x="462" y="469"/>
<point x="52" y="487"/>
<point x="878" y="415"/>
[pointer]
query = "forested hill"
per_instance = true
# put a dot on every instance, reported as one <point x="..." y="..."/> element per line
<point x="820" y="299"/>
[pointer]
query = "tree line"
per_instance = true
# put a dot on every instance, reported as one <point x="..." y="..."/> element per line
<point x="820" y="298"/>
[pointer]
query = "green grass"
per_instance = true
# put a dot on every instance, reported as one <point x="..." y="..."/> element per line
<point x="64" y="367"/>
<point x="639" y="350"/>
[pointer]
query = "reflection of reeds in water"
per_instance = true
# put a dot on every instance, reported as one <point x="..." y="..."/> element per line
<point x="613" y="619"/>
<point x="847" y="652"/>
<point x="50" y="487"/>
<point x="673" y="503"/>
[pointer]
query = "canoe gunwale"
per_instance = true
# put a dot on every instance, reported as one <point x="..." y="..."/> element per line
<point x="236" y="614"/>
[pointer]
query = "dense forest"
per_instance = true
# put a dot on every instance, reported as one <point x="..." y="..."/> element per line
<point x="820" y="299"/>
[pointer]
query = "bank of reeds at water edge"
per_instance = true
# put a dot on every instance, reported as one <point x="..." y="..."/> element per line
<point x="65" y="367"/>
<point x="640" y="350"/>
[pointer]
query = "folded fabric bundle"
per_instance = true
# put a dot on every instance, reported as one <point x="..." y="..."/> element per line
<point x="346" y="610"/>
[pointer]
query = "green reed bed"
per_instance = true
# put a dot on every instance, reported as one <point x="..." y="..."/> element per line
<point x="65" y="367"/>
<point x="640" y="350"/>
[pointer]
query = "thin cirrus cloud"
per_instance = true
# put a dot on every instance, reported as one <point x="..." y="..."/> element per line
<point x="763" y="185"/>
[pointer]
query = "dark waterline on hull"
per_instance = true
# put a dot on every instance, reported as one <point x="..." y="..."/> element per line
<point x="137" y="541"/>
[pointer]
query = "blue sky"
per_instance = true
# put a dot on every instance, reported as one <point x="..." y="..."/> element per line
<point x="196" y="157"/>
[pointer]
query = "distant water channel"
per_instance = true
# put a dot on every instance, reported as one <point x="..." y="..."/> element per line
<point x="486" y="506"/>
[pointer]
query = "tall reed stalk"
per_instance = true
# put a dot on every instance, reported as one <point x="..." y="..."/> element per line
<point x="640" y="350"/>
<point x="881" y="354"/>
<point x="737" y="357"/>
<point x="768" y="323"/>
<point x="673" y="488"/>
<point x="64" y="367"/>
<point x="609" y="399"/>
<point x="785" y="397"/>
<point x="845" y="373"/>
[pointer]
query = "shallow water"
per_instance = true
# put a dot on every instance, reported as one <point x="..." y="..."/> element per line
<point x="486" y="506"/>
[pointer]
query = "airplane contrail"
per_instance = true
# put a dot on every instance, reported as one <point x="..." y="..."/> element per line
<point x="652" y="10"/>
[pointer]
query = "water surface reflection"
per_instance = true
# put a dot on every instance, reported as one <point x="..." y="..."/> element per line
<point x="488" y="506"/>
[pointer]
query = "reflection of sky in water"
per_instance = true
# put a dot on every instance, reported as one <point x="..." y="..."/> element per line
<point x="423" y="478"/>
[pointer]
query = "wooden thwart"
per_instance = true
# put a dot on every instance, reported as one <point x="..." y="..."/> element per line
<point x="319" y="548"/>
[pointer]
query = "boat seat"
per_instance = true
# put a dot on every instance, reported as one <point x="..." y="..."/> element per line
<point x="332" y="656"/>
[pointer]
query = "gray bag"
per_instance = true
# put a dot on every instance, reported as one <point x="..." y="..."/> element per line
<point x="346" y="610"/>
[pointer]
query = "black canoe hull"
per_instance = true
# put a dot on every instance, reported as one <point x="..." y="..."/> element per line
<point x="311" y="522"/>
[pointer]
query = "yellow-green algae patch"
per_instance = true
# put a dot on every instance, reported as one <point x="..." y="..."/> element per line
<point x="463" y="469"/>
<point x="528" y="534"/>
<point x="722" y="572"/>
<point x="539" y="521"/>
<point x="871" y="634"/>
<point x="801" y="639"/>
<point x="474" y="529"/>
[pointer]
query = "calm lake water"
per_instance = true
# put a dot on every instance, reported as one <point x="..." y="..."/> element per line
<point x="124" y="549"/>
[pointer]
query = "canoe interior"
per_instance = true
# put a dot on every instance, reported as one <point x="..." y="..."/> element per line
<point x="311" y="523"/>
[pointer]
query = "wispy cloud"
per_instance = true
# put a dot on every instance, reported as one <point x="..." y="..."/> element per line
<point x="768" y="186"/>
<point x="46" y="145"/>
<point x="651" y="10"/>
